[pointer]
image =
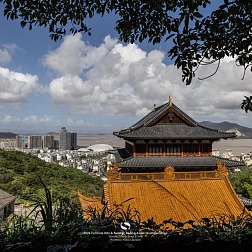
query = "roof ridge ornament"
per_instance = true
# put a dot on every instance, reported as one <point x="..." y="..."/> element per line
<point x="221" y="169"/>
<point x="170" y="100"/>
<point x="112" y="172"/>
<point x="169" y="172"/>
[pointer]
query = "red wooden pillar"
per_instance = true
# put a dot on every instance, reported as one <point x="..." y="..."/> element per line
<point x="134" y="148"/>
<point x="164" y="150"/>
<point x="146" y="148"/>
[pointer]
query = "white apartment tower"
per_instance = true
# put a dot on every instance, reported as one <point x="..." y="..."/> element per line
<point x="67" y="140"/>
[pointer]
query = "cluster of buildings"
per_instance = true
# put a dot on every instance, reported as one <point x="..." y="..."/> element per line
<point x="94" y="163"/>
<point x="67" y="141"/>
<point x="62" y="149"/>
<point x="36" y="142"/>
<point x="245" y="157"/>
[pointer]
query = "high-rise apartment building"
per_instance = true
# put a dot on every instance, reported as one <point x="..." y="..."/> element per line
<point x="64" y="139"/>
<point x="73" y="141"/>
<point x="48" y="141"/>
<point x="35" y="142"/>
<point x="21" y="141"/>
<point x="67" y="140"/>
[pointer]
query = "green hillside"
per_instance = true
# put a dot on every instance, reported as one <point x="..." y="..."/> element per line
<point x="19" y="176"/>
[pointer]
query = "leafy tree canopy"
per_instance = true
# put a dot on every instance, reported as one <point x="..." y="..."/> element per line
<point x="242" y="182"/>
<point x="20" y="175"/>
<point x="196" y="38"/>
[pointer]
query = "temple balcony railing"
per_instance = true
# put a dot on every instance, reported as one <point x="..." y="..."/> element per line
<point x="162" y="176"/>
<point x="168" y="174"/>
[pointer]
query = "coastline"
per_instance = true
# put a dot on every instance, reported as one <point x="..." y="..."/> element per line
<point x="237" y="146"/>
<point x="86" y="140"/>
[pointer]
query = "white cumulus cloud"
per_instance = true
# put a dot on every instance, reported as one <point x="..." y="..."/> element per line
<point x="6" y="53"/>
<point x="34" y="119"/>
<point x="118" y="79"/>
<point x="10" y="119"/>
<point x="16" y="87"/>
<point x="73" y="55"/>
<point x="29" y="123"/>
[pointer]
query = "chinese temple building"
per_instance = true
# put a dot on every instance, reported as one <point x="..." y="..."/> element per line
<point x="167" y="170"/>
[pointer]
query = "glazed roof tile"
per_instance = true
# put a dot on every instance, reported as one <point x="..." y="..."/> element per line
<point x="89" y="203"/>
<point x="155" y="162"/>
<point x="175" y="131"/>
<point x="142" y="130"/>
<point x="121" y="154"/>
<point x="157" y="112"/>
<point x="180" y="200"/>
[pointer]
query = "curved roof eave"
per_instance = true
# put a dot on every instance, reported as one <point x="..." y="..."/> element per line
<point x="177" y="161"/>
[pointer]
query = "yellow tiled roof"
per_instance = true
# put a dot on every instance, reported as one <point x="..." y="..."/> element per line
<point x="181" y="196"/>
<point x="181" y="200"/>
<point x="86" y="203"/>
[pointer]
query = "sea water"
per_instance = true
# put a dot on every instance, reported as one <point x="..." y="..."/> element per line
<point x="237" y="146"/>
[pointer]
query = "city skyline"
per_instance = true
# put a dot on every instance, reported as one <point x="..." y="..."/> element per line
<point x="98" y="84"/>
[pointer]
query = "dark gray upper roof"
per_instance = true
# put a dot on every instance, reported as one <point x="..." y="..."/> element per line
<point x="158" y="163"/>
<point x="157" y="112"/>
<point x="174" y="131"/>
<point x="5" y="198"/>
<point x="141" y="130"/>
<point x="121" y="154"/>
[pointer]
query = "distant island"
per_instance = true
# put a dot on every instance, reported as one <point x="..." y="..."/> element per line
<point x="241" y="131"/>
<point x="7" y="135"/>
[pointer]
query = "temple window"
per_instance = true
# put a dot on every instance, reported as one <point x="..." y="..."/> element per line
<point x="173" y="150"/>
<point x="156" y="150"/>
<point x="205" y="149"/>
<point x="141" y="149"/>
<point x="191" y="149"/>
<point x="129" y="147"/>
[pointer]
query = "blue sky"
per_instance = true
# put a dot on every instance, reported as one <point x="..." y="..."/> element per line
<point x="99" y="84"/>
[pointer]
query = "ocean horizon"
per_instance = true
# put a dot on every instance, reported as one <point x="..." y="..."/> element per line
<point x="237" y="146"/>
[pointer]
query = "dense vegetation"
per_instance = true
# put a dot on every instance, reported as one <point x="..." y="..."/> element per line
<point x="7" y="135"/>
<point x="19" y="175"/>
<point x="58" y="224"/>
<point x="20" y="172"/>
<point x="242" y="182"/>
<point x="62" y="228"/>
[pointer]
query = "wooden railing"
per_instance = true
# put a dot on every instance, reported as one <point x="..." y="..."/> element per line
<point x="168" y="174"/>
<point x="163" y="176"/>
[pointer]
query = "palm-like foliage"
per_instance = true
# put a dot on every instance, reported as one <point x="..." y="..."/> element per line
<point x="44" y="209"/>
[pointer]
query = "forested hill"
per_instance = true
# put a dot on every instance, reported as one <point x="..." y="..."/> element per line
<point x="19" y="176"/>
<point x="7" y="135"/>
